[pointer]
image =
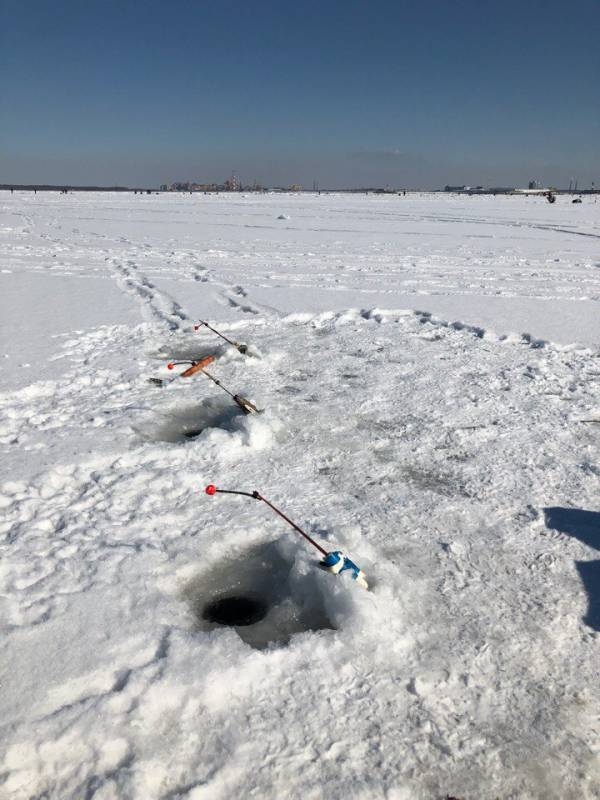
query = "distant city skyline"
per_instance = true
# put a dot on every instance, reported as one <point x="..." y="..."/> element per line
<point x="343" y="93"/>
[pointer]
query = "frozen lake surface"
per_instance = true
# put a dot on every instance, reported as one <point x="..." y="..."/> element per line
<point x="429" y="370"/>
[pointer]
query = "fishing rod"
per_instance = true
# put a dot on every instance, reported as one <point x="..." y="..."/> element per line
<point x="243" y="348"/>
<point x="334" y="562"/>
<point x="198" y="366"/>
<point x="195" y="366"/>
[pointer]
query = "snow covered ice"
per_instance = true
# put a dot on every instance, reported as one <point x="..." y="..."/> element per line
<point x="429" y="368"/>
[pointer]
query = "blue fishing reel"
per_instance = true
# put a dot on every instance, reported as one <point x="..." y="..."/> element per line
<point x="336" y="563"/>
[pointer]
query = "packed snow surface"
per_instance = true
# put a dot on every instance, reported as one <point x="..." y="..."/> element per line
<point x="429" y="372"/>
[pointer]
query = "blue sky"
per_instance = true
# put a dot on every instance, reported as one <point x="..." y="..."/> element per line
<point x="346" y="93"/>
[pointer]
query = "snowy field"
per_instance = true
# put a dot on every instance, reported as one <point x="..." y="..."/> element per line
<point x="429" y="370"/>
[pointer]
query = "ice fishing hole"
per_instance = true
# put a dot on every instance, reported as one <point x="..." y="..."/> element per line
<point x="182" y="423"/>
<point x="257" y="593"/>
<point x="188" y="350"/>
<point x="235" y="610"/>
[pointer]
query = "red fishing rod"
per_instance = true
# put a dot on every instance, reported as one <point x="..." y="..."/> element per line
<point x="335" y="561"/>
<point x="195" y="366"/>
<point x="198" y="366"/>
<point x="211" y="489"/>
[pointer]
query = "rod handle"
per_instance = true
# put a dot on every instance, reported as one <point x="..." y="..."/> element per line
<point x="197" y="366"/>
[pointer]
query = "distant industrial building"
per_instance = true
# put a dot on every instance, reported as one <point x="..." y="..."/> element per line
<point x="232" y="184"/>
<point x="480" y="189"/>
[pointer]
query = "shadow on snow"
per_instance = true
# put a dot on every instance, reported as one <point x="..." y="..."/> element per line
<point x="585" y="526"/>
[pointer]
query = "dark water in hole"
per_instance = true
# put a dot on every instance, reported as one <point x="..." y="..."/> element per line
<point x="235" y="611"/>
<point x="193" y="433"/>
